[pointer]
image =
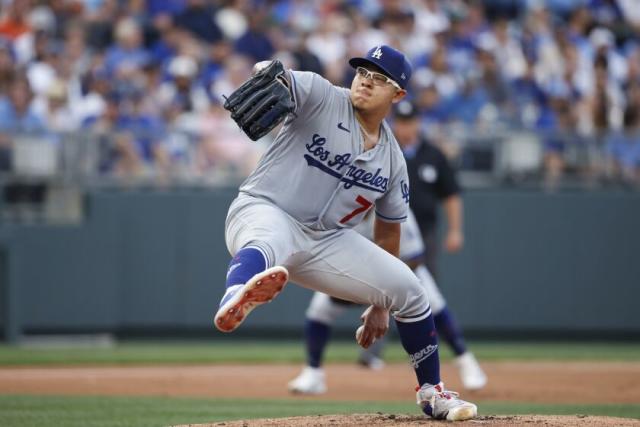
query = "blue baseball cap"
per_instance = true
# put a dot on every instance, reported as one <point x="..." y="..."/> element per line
<point x="391" y="61"/>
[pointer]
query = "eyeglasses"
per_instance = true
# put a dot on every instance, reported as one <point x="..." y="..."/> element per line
<point x="377" y="78"/>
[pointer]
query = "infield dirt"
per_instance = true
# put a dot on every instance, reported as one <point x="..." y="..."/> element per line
<point x="535" y="382"/>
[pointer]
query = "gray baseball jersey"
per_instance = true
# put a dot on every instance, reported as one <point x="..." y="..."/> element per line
<point x="316" y="182"/>
<point x="411" y="244"/>
<point x="317" y="170"/>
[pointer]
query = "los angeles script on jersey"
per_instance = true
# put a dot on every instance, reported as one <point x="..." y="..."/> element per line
<point x="321" y="158"/>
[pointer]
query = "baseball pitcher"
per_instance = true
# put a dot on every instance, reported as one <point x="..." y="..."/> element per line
<point x="334" y="159"/>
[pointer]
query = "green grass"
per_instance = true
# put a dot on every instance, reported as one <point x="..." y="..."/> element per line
<point x="19" y="411"/>
<point x="224" y="351"/>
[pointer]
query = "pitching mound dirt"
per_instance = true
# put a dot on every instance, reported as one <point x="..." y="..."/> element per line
<point x="366" y="420"/>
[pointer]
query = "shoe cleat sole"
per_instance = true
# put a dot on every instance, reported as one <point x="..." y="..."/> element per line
<point x="260" y="289"/>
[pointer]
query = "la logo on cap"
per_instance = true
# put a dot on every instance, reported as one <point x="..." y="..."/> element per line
<point x="377" y="53"/>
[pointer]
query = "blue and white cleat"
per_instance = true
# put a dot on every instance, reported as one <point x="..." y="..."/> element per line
<point x="441" y="404"/>
<point x="239" y="300"/>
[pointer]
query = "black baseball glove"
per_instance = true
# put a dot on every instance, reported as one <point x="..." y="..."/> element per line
<point x="262" y="102"/>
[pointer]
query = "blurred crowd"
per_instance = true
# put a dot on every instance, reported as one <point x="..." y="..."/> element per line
<point x="146" y="78"/>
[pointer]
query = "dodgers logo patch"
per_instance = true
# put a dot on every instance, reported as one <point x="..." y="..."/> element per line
<point x="404" y="189"/>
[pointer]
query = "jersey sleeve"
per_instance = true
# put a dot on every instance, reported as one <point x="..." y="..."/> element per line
<point x="310" y="90"/>
<point x="394" y="205"/>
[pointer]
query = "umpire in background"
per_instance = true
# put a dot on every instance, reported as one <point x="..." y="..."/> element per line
<point x="432" y="181"/>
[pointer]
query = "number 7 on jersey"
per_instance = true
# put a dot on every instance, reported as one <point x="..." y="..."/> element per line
<point x="364" y="205"/>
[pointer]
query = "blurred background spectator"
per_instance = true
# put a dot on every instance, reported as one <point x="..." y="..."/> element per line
<point x="140" y="84"/>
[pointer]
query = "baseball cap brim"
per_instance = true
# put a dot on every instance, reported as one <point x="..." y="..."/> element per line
<point x="360" y="62"/>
